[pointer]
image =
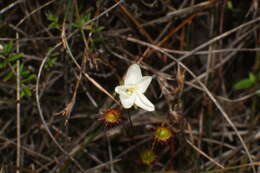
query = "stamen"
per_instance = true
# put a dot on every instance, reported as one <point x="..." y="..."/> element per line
<point x="130" y="91"/>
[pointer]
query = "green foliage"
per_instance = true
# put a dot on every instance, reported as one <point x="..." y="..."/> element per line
<point x="10" y="59"/>
<point x="84" y="19"/>
<point x="51" y="60"/>
<point x="8" y="47"/>
<point x="9" y="66"/>
<point x="230" y="5"/>
<point x="98" y="29"/>
<point x="90" y="27"/>
<point x="95" y="41"/>
<point x="26" y="91"/>
<point x="248" y="82"/>
<point x="54" y="21"/>
<point x="27" y="76"/>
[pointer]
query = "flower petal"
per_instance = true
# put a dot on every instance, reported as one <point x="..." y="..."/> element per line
<point x="133" y="74"/>
<point x="127" y="101"/>
<point x="142" y="102"/>
<point x="144" y="83"/>
<point x="122" y="89"/>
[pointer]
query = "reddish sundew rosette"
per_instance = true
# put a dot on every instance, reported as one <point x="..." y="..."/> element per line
<point x="162" y="134"/>
<point x="111" y="117"/>
<point x="148" y="157"/>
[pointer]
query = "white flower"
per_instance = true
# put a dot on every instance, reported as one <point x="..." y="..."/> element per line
<point x="132" y="92"/>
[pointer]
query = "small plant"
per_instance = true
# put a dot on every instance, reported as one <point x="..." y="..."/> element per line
<point x="111" y="117"/>
<point x="8" y="64"/>
<point x="7" y="57"/>
<point x="148" y="157"/>
<point x="91" y="28"/>
<point x="83" y="19"/>
<point x="248" y="82"/>
<point x="54" y="21"/>
<point x="51" y="60"/>
<point x="162" y="134"/>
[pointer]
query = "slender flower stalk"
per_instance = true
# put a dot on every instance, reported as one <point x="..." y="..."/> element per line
<point x="132" y="92"/>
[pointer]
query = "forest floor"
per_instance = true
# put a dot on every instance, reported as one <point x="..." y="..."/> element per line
<point x="61" y="60"/>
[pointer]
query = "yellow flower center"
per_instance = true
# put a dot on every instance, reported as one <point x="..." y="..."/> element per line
<point x="130" y="91"/>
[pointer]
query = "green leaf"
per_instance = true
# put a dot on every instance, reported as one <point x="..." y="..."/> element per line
<point x="55" y="54"/>
<point x="252" y="77"/>
<point x="26" y="91"/>
<point x="244" y="84"/>
<point x="8" y="76"/>
<point x="87" y="17"/>
<point x="8" y="47"/>
<point x="53" y="25"/>
<point x="2" y="65"/>
<point x="76" y="25"/>
<point x="14" y="58"/>
<point x="82" y="21"/>
<point x="99" y="39"/>
<point x="229" y="5"/>
<point x="98" y="29"/>
<point x="24" y="73"/>
<point x="29" y="78"/>
<point x="22" y="67"/>
<point x="52" y="17"/>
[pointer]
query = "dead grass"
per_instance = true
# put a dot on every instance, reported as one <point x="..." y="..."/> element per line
<point x="72" y="54"/>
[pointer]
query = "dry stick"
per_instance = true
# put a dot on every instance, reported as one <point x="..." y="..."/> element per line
<point x="34" y="11"/>
<point x="10" y="6"/>
<point x="242" y="37"/>
<point x="180" y="52"/>
<point x="190" y="9"/>
<point x="110" y="153"/>
<point x="28" y="150"/>
<point x="40" y="109"/>
<point x="219" y="107"/>
<point x="188" y="54"/>
<point x="202" y="85"/>
<point x="204" y="154"/>
<point x="233" y="168"/>
<point x="207" y="92"/>
<point x="18" y="109"/>
<point x="91" y="170"/>
<point x="147" y="52"/>
<point x="179" y="13"/>
<point x="66" y="46"/>
<point x="38" y="82"/>
<point x="103" y="13"/>
<point x="139" y="26"/>
<point x="70" y="106"/>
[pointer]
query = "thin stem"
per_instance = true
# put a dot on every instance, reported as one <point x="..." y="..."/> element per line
<point x="18" y="109"/>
